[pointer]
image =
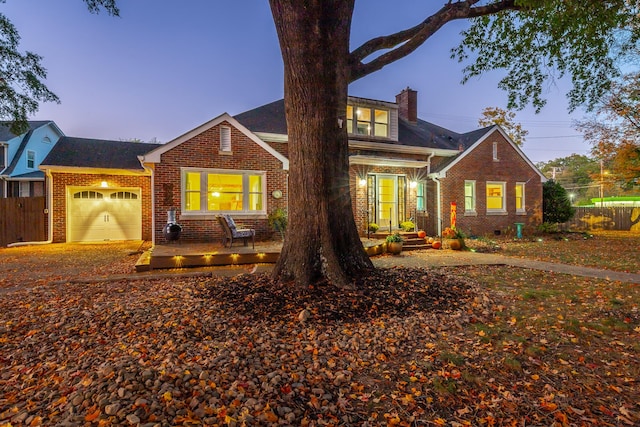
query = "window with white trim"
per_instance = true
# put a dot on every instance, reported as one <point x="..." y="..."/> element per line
<point x="25" y="189"/>
<point x="368" y="121"/>
<point x="520" y="206"/>
<point x="495" y="150"/>
<point x="217" y="191"/>
<point x="31" y="159"/>
<point x="225" y="139"/>
<point x="421" y="203"/>
<point x="469" y="196"/>
<point x="495" y="197"/>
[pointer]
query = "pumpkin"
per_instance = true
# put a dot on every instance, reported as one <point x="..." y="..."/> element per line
<point x="436" y="245"/>
<point x="431" y="240"/>
<point x="455" y="245"/>
<point x="422" y="234"/>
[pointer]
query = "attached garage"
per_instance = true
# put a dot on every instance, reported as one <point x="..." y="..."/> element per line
<point x="98" y="214"/>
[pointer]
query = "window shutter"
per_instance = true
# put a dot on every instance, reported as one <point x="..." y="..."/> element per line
<point x="225" y="138"/>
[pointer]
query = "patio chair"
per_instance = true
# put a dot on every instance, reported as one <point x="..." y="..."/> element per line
<point x="231" y="232"/>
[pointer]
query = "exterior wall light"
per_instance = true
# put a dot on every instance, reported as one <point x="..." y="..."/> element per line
<point x="362" y="182"/>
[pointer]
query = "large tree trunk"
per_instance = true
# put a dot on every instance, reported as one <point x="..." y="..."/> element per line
<point x="322" y="241"/>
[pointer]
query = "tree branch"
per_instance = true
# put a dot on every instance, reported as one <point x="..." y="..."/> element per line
<point x="405" y="42"/>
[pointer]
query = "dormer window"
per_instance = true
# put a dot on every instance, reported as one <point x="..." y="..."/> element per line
<point x="31" y="159"/>
<point x="367" y="121"/>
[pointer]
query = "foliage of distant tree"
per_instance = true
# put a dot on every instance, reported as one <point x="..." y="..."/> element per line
<point x="506" y="120"/>
<point x="577" y="173"/>
<point x="22" y="75"/>
<point x="556" y="205"/>
<point x="614" y="130"/>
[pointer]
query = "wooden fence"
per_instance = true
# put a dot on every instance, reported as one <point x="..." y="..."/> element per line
<point x="605" y="218"/>
<point x="22" y="219"/>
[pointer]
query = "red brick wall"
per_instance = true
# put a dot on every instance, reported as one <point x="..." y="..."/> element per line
<point x="202" y="151"/>
<point x="63" y="180"/>
<point x="479" y="165"/>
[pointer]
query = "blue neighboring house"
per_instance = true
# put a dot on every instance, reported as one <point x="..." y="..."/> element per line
<point x="20" y="156"/>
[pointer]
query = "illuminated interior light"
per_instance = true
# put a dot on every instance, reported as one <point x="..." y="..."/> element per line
<point x="104" y="184"/>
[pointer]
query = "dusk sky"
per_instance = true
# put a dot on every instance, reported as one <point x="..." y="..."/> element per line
<point x="160" y="70"/>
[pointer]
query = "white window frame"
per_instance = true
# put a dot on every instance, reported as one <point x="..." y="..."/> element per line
<point x="24" y="189"/>
<point x="204" y="188"/>
<point x="495" y="151"/>
<point x="472" y="185"/>
<point x="523" y="208"/>
<point x="352" y="122"/>
<point x="225" y="140"/>
<point x="503" y="209"/>
<point x="31" y="159"/>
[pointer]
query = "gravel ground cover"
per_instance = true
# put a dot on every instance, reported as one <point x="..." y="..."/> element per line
<point x="464" y="346"/>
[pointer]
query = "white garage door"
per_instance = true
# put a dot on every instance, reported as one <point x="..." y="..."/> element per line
<point x="99" y="215"/>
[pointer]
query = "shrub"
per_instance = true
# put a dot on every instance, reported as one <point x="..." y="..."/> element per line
<point x="407" y="226"/>
<point x="395" y="238"/>
<point x="278" y="221"/>
<point x="556" y="206"/>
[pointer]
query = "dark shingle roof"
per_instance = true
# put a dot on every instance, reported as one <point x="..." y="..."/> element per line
<point x="97" y="153"/>
<point x="6" y="134"/>
<point x="29" y="175"/>
<point x="269" y="118"/>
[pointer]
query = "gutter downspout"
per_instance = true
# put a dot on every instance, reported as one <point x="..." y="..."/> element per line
<point x="438" y="203"/>
<point x="429" y="162"/>
<point x="153" y="199"/>
<point x="49" y="208"/>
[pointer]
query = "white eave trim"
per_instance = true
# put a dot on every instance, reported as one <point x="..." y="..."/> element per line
<point x="154" y="156"/>
<point x="86" y="170"/>
<point x="272" y="137"/>
<point x="385" y="161"/>
<point x="404" y="149"/>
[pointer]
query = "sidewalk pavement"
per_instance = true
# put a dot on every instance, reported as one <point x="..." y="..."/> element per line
<point x="458" y="258"/>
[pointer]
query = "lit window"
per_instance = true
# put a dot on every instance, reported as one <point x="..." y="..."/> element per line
<point x="368" y="121"/>
<point x="520" y="197"/>
<point x="223" y="191"/>
<point x="469" y="196"/>
<point x="349" y="119"/>
<point x="31" y="159"/>
<point x="495" y="197"/>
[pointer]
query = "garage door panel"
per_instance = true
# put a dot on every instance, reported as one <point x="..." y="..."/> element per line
<point x="99" y="215"/>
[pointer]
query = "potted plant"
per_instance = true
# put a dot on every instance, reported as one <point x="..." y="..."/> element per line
<point x="373" y="227"/>
<point x="394" y="243"/>
<point x="278" y="220"/>
<point x="455" y="238"/>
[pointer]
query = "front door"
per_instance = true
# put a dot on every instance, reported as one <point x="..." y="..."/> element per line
<point x="387" y="200"/>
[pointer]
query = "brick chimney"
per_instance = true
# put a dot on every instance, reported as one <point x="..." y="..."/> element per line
<point x="407" y="101"/>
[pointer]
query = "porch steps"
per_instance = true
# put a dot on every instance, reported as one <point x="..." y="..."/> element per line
<point x="411" y="240"/>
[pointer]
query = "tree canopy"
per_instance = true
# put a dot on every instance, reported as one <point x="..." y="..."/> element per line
<point x="614" y="129"/>
<point x="22" y="75"/>
<point x="506" y="120"/>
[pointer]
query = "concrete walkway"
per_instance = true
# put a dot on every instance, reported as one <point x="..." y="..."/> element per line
<point x="458" y="258"/>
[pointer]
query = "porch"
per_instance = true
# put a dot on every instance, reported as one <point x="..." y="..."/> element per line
<point x="184" y="255"/>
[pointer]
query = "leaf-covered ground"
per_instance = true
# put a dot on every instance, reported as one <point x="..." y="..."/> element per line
<point x="463" y="346"/>
<point x="608" y="250"/>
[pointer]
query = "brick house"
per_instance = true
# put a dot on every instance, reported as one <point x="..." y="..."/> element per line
<point x="401" y="168"/>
